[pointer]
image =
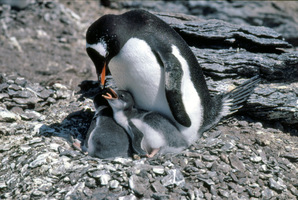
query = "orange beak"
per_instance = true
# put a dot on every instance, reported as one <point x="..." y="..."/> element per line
<point x="103" y="75"/>
<point x="111" y="95"/>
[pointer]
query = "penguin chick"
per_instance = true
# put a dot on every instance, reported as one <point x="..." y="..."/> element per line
<point x="105" y="138"/>
<point x="150" y="130"/>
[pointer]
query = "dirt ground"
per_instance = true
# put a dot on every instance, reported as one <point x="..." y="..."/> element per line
<point x="45" y="42"/>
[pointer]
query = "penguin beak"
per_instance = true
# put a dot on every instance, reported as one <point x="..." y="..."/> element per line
<point x="103" y="75"/>
<point x="100" y="63"/>
<point x="111" y="94"/>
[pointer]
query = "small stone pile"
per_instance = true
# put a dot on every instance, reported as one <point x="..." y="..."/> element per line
<point x="238" y="159"/>
<point x="22" y="100"/>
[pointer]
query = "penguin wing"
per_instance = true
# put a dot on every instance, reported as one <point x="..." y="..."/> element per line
<point x="91" y="128"/>
<point x="173" y="77"/>
<point x="136" y="137"/>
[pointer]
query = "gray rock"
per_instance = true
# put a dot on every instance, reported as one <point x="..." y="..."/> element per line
<point x="7" y="116"/>
<point x="158" y="187"/>
<point x="236" y="163"/>
<point x="90" y="182"/>
<point x="138" y="185"/>
<point x="209" y="158"/>
<point x="39" y="160"/>
<point x="104" y="179"/>
<point x="128" y="197"/>
<point x="158" y="170"/>
<point x="160" y="196"/>
<point x="174" y="177"/>
<point x="21" y="81"/>
<point x="277" y="185"/>
<point x="256" y="158"/>
<point x="114" y="184"/>
<point x="267" y="193"/>
<point x="26" y="101"/>
<point x="3" y="96"/>
<point x="32" y="115"/>
<point x="45" y="93"/>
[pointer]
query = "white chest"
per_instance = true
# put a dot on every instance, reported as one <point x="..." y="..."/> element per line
<point x="137" y="70"/>
<point x="121" y="119"/>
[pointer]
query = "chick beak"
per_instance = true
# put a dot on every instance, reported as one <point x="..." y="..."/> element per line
<point x="111" y="94"/>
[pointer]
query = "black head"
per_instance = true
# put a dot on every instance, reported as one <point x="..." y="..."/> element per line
<point x="107" y="35"/>
<point x="102" y="43"/>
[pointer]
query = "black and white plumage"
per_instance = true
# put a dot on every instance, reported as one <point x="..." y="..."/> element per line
<point x="148" y="130"/>
<point x="150" y="60"/>
<point x="105" y="138"/>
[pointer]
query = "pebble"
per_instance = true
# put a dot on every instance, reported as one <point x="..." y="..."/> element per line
<point x="256" y="159"/>
<point x="277" y="185"/>
<point x="114" y="184"/>
<point x="209" y="158"/>
<point x="104" y="179"/>
<point x="7" y="116"/>
<point x="138" y="185"/>
<point x="158" y="170"/>
<point x="223" y="165"/>
<point x="236" y="163"/>
<point x="174" y="177"/>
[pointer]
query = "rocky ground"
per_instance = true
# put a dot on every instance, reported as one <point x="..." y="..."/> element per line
<point x="43" y="60"/>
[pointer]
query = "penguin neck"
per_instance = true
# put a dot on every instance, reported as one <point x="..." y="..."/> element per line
<point x="122" y="117"/>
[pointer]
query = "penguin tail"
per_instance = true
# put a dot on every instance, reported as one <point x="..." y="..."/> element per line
<point x="233" y="100"/>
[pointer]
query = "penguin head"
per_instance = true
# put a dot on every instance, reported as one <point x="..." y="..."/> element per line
<point x="102" y="43"/>
<point x="119" y="100"/>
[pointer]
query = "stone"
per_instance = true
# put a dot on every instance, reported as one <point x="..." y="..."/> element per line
<point x="41" y="159"/>
<point x="7" y="116"/>
<point x="256" y="159"/>
<point x="2" y="185"/>
<point x="138" y="185"/>
<point x="161" y="196"/>
<point x="158" y="187"/>
<point x="31" y="114"/>
<point x="209" y="158"/>
<point x="14" y="87"/>
<point x="268" y="194"/>
<point x="90" y="182"/>
<point x="158" y="170"/>
<point x="114" y="184"/>
<point x="174" y="177"/>
<point x="44" y="94"/>
<point x="277" y="185"/>
<point x="3" y="96"/>
<point x="128" y="197"/>
<point x="21" y="81"/>
<point x="236" y="163"/>
<point x="104" y="179"/>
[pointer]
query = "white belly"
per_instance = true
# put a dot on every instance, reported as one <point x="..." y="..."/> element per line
<point x="137" y="70"/>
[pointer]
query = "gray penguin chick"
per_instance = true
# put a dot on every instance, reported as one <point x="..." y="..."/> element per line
<point x="105" y="138"/>
<point x="150" y="130"/>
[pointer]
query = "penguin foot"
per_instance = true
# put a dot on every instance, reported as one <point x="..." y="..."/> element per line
<point x="153" y="153"/>
<point x="136" y="157"/>
<point x="76" y="144"/>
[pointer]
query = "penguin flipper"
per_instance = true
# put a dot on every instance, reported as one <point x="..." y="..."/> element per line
<point x="136" y="137"/>
<point x="173" y="77"/>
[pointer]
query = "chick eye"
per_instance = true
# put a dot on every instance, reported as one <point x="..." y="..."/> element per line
<point x="121" y="95"/>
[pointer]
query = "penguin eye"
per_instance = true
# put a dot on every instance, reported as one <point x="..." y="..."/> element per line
<point x="121" y="96"/>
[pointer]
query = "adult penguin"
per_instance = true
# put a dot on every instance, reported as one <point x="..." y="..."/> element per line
<point x="149" y="59"/>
